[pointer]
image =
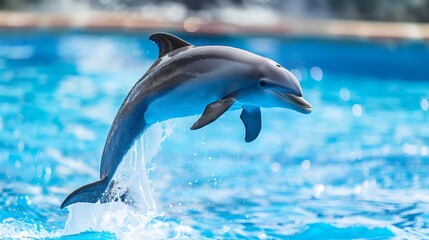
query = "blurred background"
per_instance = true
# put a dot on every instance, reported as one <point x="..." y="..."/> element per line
<point x="395" y="10"/>
<point x="382" y="19"/>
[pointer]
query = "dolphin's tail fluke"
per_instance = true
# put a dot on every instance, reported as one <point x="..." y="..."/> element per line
<point x="89" y="193"/>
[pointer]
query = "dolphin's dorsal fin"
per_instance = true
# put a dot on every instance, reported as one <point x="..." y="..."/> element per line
<point x="167" y="42"/>
<point x="213" y="111"/>
<point x="251" y="117"/>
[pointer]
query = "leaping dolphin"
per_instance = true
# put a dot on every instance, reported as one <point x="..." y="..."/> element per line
<point x="184" y="80"/>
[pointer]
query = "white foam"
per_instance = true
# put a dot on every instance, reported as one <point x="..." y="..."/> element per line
<point x="15" y="229"/>
<point x="123" y="220"/>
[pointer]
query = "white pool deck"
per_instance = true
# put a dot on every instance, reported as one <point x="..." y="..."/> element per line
<point x="137" y="22"/>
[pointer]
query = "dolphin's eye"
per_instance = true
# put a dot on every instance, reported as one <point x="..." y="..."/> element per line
<point x="278" y="65"/>
<point x="262" y="83"/>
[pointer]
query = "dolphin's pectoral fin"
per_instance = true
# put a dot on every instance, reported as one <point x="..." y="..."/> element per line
<point x="89" y="193"/>
<point x="251" y="117"/>
<point x="213" y="111"/>
<point x="167" y="43"/>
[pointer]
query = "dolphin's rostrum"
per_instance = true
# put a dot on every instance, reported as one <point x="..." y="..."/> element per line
<point x="184" y="81"/>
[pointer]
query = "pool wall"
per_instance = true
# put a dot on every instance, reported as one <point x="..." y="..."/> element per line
<point x="137" y="21"/>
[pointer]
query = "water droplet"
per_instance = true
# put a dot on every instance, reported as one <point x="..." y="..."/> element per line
<point x="297" y="74"/>
<point x="18" y="164"/>
<point x="358" y="189"/>
<point x="39" y="171"/>
<point x="424" y="151"/>
<point x="21" y="146"/>
<point x="409" y="149"/>
<point x="275" y="167"/>
<point x="48" y="172"/>
<point x="262" y="236"/>
<point x="316" y="73"/>
<point x="319" y="188"/>
<point x="357" y="110"/>
<point x="344" y="94"/>
<point x="192" y="24"/>
<point x="305" y="164"/>
<point x="266" y="157"/>
<point x="16" y="133"/>
<point x="303" y="72"/>
<point x="29" y="202"/>
<point x="424" y="104"/>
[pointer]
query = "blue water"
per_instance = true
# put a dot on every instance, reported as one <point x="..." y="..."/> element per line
<point x="357" y="167"/>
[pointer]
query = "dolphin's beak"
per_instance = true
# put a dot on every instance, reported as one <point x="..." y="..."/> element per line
<point x="298" y="103"/>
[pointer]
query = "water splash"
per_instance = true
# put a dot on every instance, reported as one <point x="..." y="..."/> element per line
<point x="124" y="220"/>
<point x="11" y="228"/>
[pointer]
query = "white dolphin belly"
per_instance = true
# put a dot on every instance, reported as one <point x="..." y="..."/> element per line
<point x="185" y="100"/>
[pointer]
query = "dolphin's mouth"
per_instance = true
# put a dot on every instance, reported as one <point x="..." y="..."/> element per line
<point x="299" y="104"/>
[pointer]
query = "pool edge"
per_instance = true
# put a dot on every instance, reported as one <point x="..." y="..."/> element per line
<point x="136" y="22"/>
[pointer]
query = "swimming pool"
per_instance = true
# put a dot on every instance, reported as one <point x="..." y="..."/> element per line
<point x="357" y="167"/>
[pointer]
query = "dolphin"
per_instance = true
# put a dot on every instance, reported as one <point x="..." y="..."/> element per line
<point x="183" y="81"/>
